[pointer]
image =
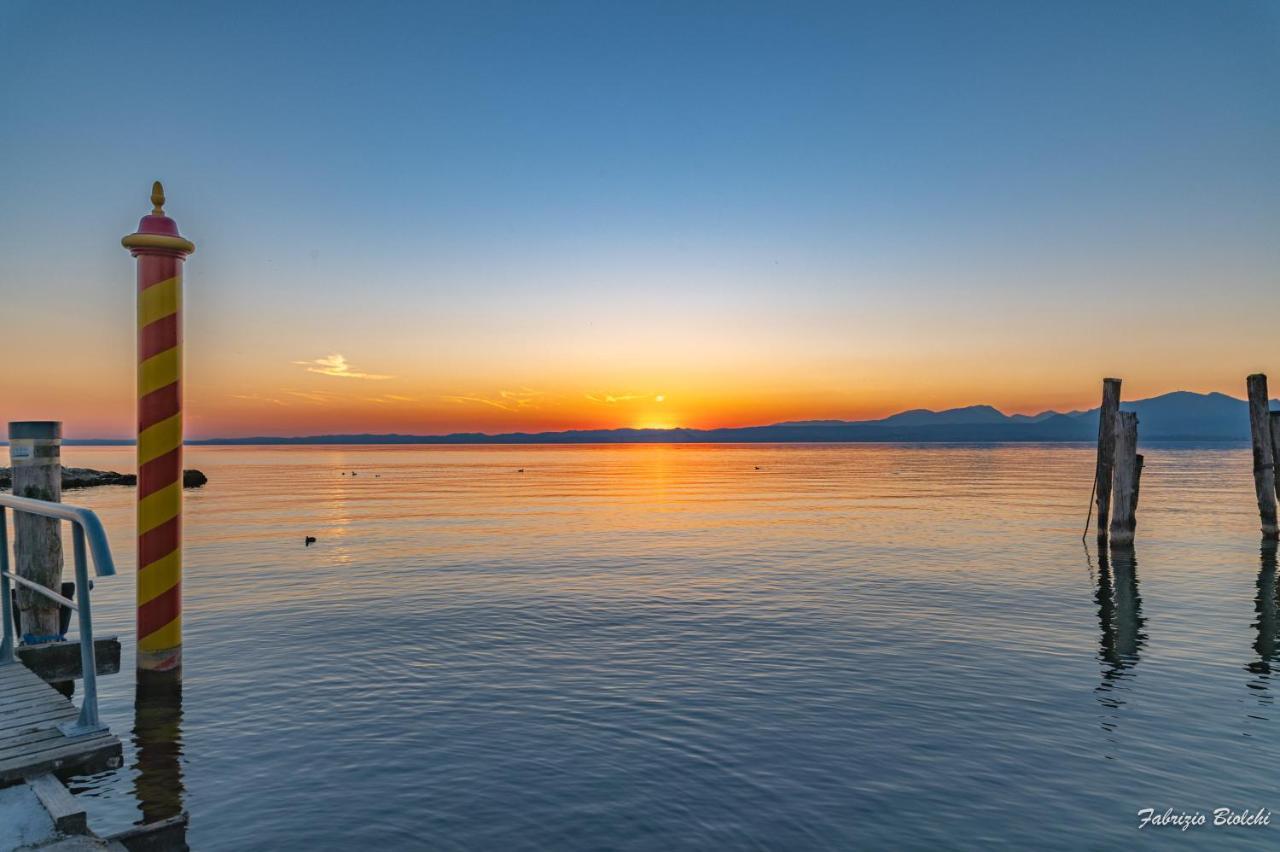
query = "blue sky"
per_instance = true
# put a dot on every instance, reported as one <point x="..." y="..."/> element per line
<point x="618" y="198"/>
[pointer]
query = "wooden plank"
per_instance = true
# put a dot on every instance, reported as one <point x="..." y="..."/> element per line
<point x="30" y="717"/>
<point x="34" y="740"/>
<point x="28" y="699"/>
<point x="11" y="736"/>
<point x="17" y="734"/>
<point x="31" y="705"/>
<point x="56" y="662"/>
<point x="31" y="741"/>
<point x="29" y="692"/>
<point x="1106" y="452"/>
<point x="27" y="681"/>
<point x="22" y="688"/>
<point x="67" y="814"/>
<point x="1264" y="467"/>
<point x="91" y="754"/>
<point x="165" y="835"/>
<point x="26" y="703"/>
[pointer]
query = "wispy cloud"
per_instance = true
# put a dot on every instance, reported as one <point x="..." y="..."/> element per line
<point x="313" y="396"/>
<point x="388" y="398"/>
<point x="336" y="365"/>
<point x="506" y="400"/>
<point x="613" y="399"/>
<point x="257" y="398"/>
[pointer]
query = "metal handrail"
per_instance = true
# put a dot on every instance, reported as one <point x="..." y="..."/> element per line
<point x="84" y="524"/>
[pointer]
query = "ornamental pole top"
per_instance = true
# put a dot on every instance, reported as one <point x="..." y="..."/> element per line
<point x="157" y="233"/>
<point x="157" y="199"/>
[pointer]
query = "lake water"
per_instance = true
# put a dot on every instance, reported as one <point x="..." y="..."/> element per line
<point x="698" y="647"/>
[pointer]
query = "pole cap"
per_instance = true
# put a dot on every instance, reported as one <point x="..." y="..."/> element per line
<point x="157" y="233"/>
<point x="38" y="430"/>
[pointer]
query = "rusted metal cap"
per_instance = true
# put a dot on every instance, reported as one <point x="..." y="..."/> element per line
<point x="35" y="430"/>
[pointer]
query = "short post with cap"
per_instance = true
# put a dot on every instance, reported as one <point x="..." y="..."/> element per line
<point x="36" y="456"/>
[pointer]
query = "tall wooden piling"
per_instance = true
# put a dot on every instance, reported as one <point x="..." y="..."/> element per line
<point x="1264" y="473"/>
<point x="1275" y="447"/>
<point x="35" y="454"/>
<point x="160" y="251"/>
<point x="1106" y="452"/>
<point x="1123" y="518"/>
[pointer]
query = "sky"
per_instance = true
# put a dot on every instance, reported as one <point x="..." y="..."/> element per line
<point x="438" y="217"/>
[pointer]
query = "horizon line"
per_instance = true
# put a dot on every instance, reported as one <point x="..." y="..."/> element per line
<point x="481" y="436"/>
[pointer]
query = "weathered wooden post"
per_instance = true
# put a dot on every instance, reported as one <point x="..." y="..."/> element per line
<point x="160" y="251"/>
<point x="1106" y="452"/>
<point x="1275" y="447"/>
<point x="1264" y="472"/>
<point x="1123" y="519"/>
<point x="1139" y="464"/>
<point x="36" y="457"/>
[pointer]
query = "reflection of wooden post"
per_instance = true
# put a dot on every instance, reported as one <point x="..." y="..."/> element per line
<point x="157" y="741"/>
<point x="1264" y="473"/>
<point x="1123" y="520"/>
<point x="35" y="453"/>
<point x="1106" y="451"/>
<point x="1129" y="621"/>
<point x="1265" y="605"/>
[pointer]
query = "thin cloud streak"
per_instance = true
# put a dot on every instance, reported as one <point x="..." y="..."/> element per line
<point x="507" y="400"/>
<point x="336" y="365"/>
<point x="613" y="399"/>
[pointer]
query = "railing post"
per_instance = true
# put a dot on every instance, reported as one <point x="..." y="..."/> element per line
<point x="6" y="597"/>
<point x="160" y="251"/>
<point x="88" y="721"/>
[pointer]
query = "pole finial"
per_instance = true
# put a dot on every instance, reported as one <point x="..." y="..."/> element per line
<point x="157" y="199"/>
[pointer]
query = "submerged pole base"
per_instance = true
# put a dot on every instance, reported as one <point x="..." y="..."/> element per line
<point x="1122" y="538"/>
<point x="162" y="660"/>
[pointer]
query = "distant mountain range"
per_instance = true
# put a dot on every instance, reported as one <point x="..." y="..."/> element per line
<point x="1178" y="416"/>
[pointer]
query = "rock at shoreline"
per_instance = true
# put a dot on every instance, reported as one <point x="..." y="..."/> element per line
<point x="83" y="477"/>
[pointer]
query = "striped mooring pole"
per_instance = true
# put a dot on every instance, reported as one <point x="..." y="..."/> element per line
<point x="160" y="251"/>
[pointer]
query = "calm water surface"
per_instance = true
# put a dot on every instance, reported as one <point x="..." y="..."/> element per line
<point x="692" y="647"/>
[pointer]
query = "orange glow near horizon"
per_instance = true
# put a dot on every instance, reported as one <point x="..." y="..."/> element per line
<point x="316" y="402"/>
<point x="303" y="359"/>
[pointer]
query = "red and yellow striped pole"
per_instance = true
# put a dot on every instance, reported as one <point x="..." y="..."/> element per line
<point x="160" y="251"/>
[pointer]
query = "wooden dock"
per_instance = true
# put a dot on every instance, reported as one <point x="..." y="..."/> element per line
<point x="31" y="742"/>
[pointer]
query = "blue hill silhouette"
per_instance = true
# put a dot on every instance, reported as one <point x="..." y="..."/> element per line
<point x="1177" y="416"/>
